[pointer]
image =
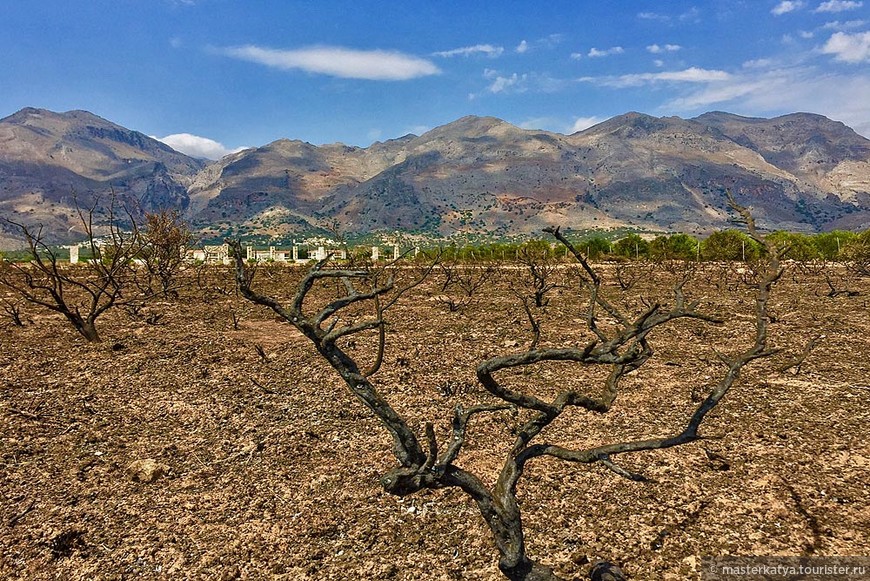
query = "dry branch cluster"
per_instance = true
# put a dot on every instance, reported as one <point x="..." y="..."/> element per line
<point x="622" y="344"/>
<point x="128" y="264"/>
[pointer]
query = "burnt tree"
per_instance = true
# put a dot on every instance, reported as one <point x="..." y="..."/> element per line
<point x="539" y="266"/>
<point x="165" y="240"/>
<point x="81" y="293"/>
<point x="622" y="346"/>
<point x="461" y="281"/>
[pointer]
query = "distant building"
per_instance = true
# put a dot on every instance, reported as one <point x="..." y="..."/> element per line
<point x="293" y="253"/>
<point x="211" y="254"/>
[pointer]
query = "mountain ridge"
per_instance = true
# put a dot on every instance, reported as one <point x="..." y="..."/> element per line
<point x="50" y="161"/>
<point x="475" y="175"/>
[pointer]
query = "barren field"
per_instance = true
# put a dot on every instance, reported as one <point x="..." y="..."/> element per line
<point x="270" y="467"/>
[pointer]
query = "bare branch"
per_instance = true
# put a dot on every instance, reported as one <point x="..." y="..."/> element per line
<point x="533" y="321"/>
<point x="605" y="461"/>
<point x="799" y="359"/>
<point x="623" y="343"/>
<point x="460" y="422"/>
<point x="406" y="447"/>
<point x="96" y="286"/>
<point x="433" y="448"/>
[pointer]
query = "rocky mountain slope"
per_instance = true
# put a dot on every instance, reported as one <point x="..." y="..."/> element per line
<point x="476" y="175"/>
<point x="49" y="159"/>
<point x="822" y="154"/>
<point x="483" y="175"/>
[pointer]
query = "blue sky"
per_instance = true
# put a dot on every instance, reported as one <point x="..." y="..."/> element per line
<point x="210" y="76"/>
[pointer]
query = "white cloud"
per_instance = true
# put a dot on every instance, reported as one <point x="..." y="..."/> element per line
<point x="598" y="53"/>
<point x="849" y="24"/>
<point x="520" y="83"/>
<point x="838" y="6"/>
<point x="787" y="6"/>
<point x="757" y="64"/>
<point x="806" y="34"/>
<point x="658" y="49"/>
<point x="576" y="56"/>
<point x="653" y="16"/>
<point x="196" y="146"/>
<point x="537" y="123"/>
<point x="724" y="92"/>
<point x="581" y="123"/>
<point x="552" y="40"/>
<point x="558" y="125"/>
<point x="378" y="65"/>
<point x="690" y="75"/>
<point x="782" y="90"/>
<point x="501" y="83"/>
<point x="514" y="82"/>
<point x="418" y="129"/>
<point x="546" y="43"/>
<point x="487" y="49"/>
<point x="849" y="48"/>
<point x="693" y="14"/>
<point x="659" y="63"/>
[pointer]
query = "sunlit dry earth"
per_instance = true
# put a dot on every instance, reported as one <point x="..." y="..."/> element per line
<point x="271" y="466"/>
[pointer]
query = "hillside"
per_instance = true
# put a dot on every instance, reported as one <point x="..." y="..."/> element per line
<point x="47" y="159"/>
<point x="477" y="175"/>
<point x="483" y="175"/>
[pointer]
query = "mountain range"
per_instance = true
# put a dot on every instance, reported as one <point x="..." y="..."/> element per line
<point x="476" y="175"/>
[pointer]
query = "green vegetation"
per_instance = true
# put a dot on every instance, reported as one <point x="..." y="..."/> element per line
<point x="622" y="244"/>
<point x="675" y="247"/>
<point x="595" y="247"/>
<point x="727" y="245"/>
<point x="793" y="246"/>
<point x="858" y="253"/>
<point x="831" y="244"/>
<point x="632" y="246"/>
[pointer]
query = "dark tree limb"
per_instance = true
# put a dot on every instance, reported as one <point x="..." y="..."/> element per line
<point x="608" y="463"/>
<point x="406" y="447"/>
<point x="798" y="360"/>
<point x="623" y="346"/>
<point x="460" y="422"/>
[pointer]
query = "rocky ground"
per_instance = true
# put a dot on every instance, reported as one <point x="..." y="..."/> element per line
<point x="175" y="450"/>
